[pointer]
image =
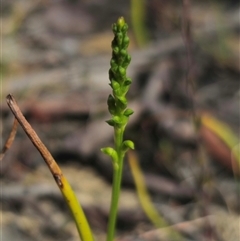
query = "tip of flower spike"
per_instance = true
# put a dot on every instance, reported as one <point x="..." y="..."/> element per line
<point x="121" y="22"/>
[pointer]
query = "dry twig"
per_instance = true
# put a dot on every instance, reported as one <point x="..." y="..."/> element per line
<point x="10" y="139"/>
<point x="54" y="168"/>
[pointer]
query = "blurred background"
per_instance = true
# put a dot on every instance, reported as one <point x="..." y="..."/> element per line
<point x="185" y="93"/>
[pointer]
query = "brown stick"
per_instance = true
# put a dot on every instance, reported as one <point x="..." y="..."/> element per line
<point x="53" y="166"/>
<point x="10" y="139"/>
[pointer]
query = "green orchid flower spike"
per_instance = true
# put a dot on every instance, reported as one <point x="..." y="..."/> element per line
<point x="117" y="106"/>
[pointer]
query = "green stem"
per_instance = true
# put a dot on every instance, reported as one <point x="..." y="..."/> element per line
<point x="117" y="179"/>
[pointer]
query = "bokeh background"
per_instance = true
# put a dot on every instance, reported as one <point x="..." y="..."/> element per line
<point x="185" y="69"/>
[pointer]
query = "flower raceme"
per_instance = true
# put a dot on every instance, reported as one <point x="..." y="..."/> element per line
<point x="119" y="82"/>
<point x="117" y="106"/>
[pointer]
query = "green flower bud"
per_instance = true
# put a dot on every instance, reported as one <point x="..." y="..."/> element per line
<point x="113" y="63"/>
<point x="124" y="89"/>
<point x="115" y="50"/>
<point x="112" y="153"/>
<point x="123" y="101"/>
<point x="114" y="28"/>
<point x="115" y="121"/>
<point x="126" y="145"/>
<point x="125" y="42"/>
<point x="111" y="104"/>
<point x="121" y="23"/>
<point x="117" y="93"/>
<point x="115" y="85"/>
<point x="123" y="52"/>
<point x="109" y="151"/>
<point x="127" y="61"/>
<point x="119" y="37"/>
<point x="128" y="112"/>
<point x="111" y="122"/>
<point x="125" y="28"/>
<point x="122" y="71"/>
<point x="127" y="82"/>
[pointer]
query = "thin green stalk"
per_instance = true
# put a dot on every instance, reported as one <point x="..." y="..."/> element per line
<point x="117" y="106"/>
<point x="117" y="178"/>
